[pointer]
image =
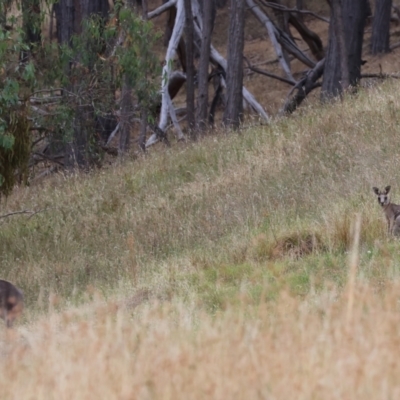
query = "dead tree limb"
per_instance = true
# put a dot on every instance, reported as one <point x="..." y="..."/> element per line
<point x="158" y="11"/>
<point x="269" y="74"/>
<point x="157" y="135"/>
<point x="112" y="134"/>
<point x="30" y="212"/>
<point x="280" y="36"/>
<point x="272" y="32"/>
<point x="43" y="156"/>
<point x="218" y="59"/>
<point x="295" y="9"/>
<point x="166" y="103"/>
<point x="217" y="78"/>
<point x="304" y="87"/>
<point x="381" y="76"/>
<point x="16" y="213"/>
<point x="286" y="41"/>
<point x="313" y="41"/>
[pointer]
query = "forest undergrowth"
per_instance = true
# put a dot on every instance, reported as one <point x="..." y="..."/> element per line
<point x="218" y="269"/>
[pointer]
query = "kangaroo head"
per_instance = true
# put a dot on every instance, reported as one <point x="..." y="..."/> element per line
<point x="383" y="198"/>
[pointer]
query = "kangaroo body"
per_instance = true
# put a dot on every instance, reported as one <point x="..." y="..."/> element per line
<point x="391" y="210"/>
<point x="11" y="302"/>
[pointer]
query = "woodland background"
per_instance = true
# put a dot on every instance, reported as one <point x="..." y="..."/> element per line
<point x="81" y="80"/>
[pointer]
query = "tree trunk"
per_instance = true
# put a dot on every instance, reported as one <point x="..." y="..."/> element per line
<point x="355" y="15"/>
<point x="313" y="41"/>
<point x="299" y="6"/>
<point x="189" y="30"/>
<point x="69" y="17"/>
<point x="234" y="75"/>
<point x="282" y="19"/>
<point x="381" y="27"/>
<point x="202" y="95"/>
<point x="65" y="17"/>
<point x="144" y="113"/>
<point x="31" y="22"/>
<point x="343" y="58"/>
<point x="125" y="117"/>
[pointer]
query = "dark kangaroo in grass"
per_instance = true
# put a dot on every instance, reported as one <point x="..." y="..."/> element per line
<point x="11" y="302"/>
<point x="391" y="210"/>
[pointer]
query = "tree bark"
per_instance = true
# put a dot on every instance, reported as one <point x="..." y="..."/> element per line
<point x="69" y="17"/>
<point x="166" y="103"/>
<point x="31" y="22"/>
<point x="125" y="117"/>
<point x="313" y="41"/>
<point x="65" y="17"/>
<point x="143" y="111"/>
<point x="304" y="87"/>
<point x="219" y="60"/>
<point x="282" y="18"/>
<point x="234" y="74"/>
<point x="343" y="58"/>
<point x="381" y="27"/>
<point x="189" y="30"/>
<point x="299" y="6"/>
<point x="340" y="33"/>
<point x="202" y="95"/>
<point x="263" y="18"/>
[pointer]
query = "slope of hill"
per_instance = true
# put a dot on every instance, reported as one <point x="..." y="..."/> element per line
<point x="217" y="270"/>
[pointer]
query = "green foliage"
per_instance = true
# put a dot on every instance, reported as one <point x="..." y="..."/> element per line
<point x="136" y="58"/>
<point x="91" y="69"/>
<point x="16" y="82"/>
<point x="87" y="72"/>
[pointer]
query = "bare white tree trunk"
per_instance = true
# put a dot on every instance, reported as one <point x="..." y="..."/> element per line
<point x="166" y="105"/>
<point x="262" y="17"/>
<point x="257" y="107"/>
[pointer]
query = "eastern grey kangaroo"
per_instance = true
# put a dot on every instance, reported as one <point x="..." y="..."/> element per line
<point x="392" y="211"/>
<point x="11" y="302"/>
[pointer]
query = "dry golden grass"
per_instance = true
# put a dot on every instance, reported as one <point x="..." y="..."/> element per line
<point x="216" y="269"/>
<point x="301" y="349"/>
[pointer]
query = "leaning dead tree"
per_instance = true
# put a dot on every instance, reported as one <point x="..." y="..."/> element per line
<point x="168" y="112"/>
<point x="318" y="61"/>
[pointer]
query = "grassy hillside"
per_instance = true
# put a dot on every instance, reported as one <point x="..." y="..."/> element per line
<point x="224" y="258"/>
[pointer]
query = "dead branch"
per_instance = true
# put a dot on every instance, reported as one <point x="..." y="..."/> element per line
<point x="158" y="11"/>
<point x="304" y="87"/>
<point x="174" y="119"/>
<point x="286" y="41"/>
<point x="217" y="58"/>
<point x="263" y="18"/>
<point x="282" y="37"/>
<point x="395" y="46"/>
<point x="158" y="134"/>
<point x="296" y="10"/>
<point x="16" y="213"/>
<point x="396" y="10"/>
<point x="381" y="75"/>
<point x="48" y="171"/>
<point x="217" y="77"/>
<point x="112" y="134"/>
<point x="112" y="151"/>
<point x="313" y="41"/>
<point x="45" y="100"/>
<point x="269" y="74"/>
<point x="30" y="212"/>
<point x="166" y="102"/>
<point x="49" y="158"/>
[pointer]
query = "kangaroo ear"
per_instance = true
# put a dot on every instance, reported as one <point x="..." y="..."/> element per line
<point x="376" y="190"/>
<point x="387" y="189"/>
